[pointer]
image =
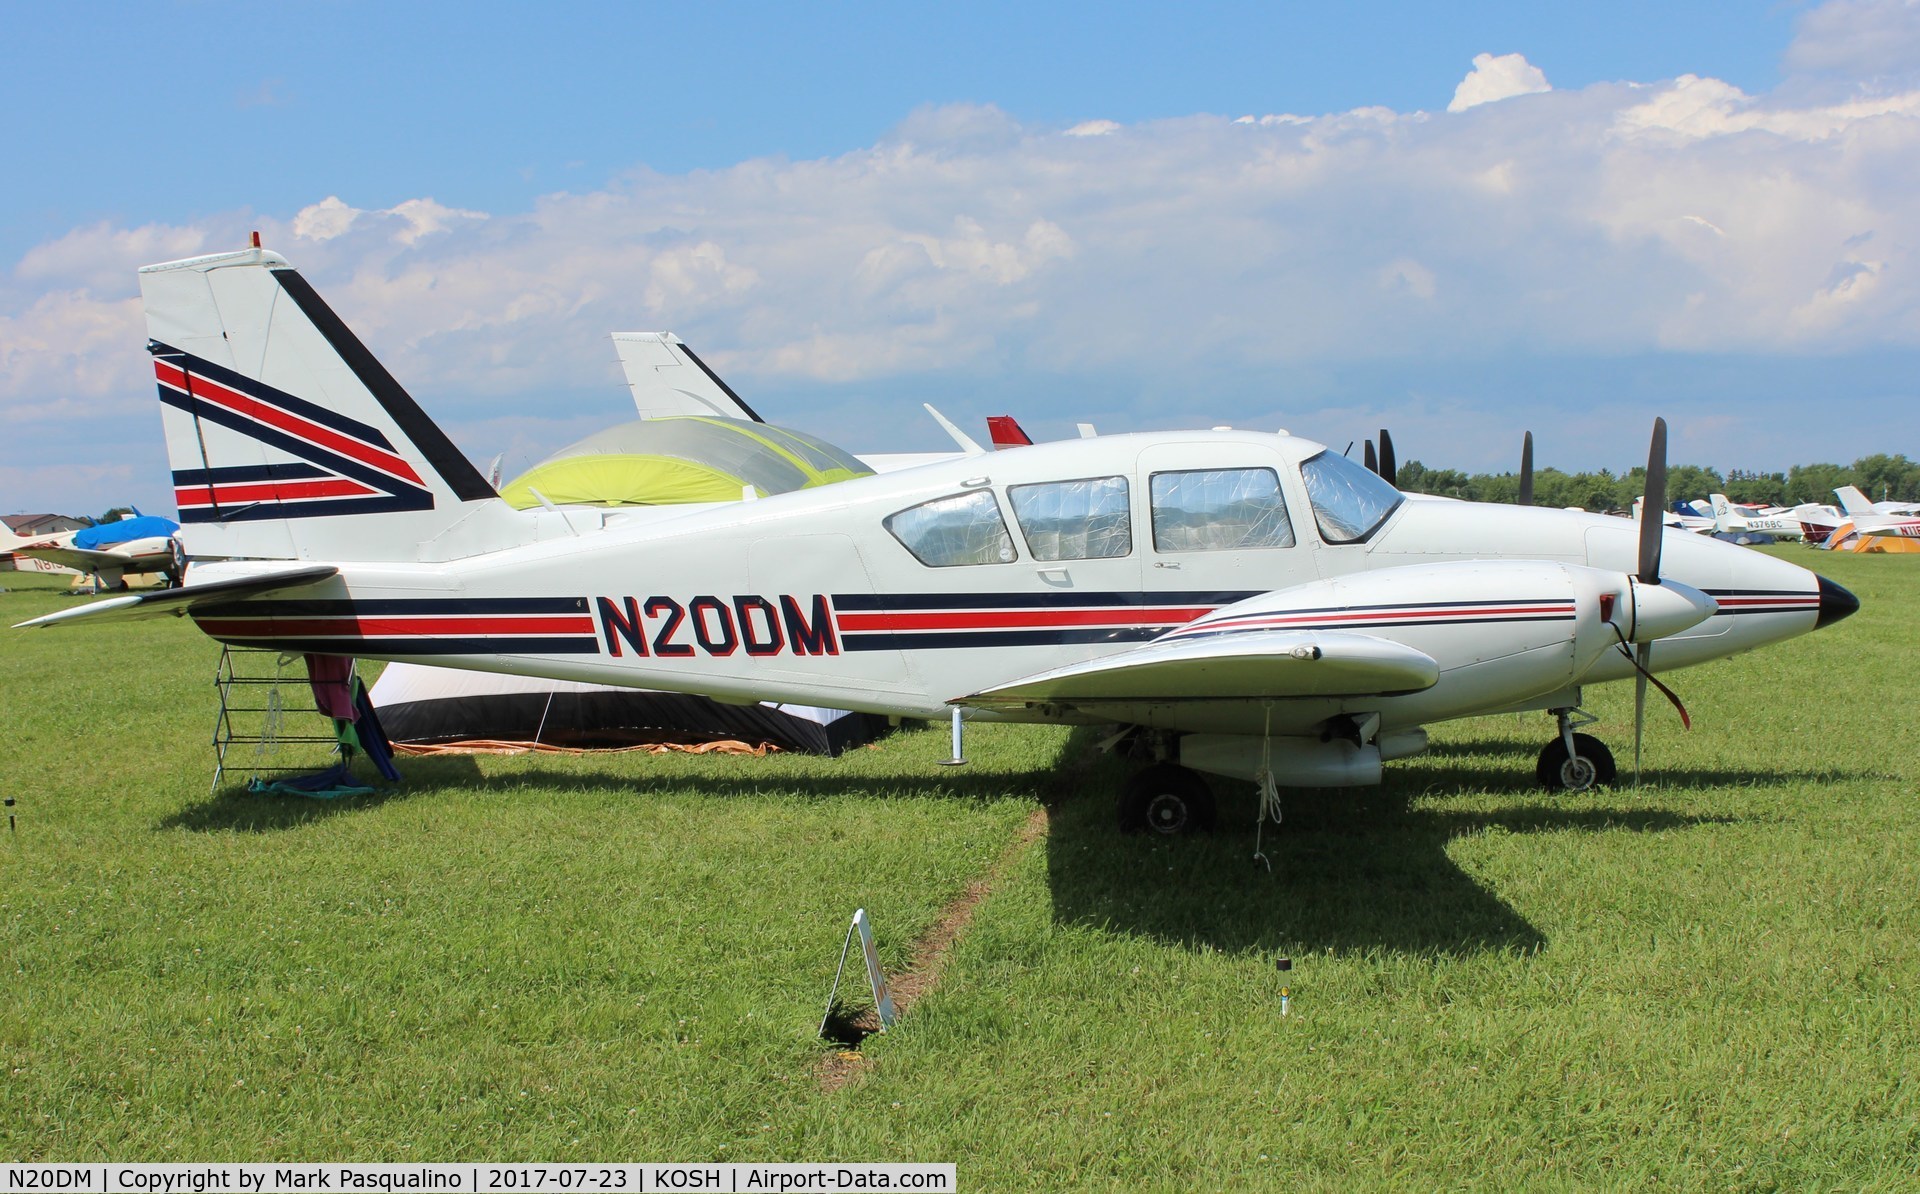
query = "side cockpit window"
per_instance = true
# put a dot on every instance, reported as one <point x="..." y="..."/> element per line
<point x="1074" y="520"/>
<point x="950" y="531"/>
<point x="1225" y="509"/>
<point x="1349" y="502"/>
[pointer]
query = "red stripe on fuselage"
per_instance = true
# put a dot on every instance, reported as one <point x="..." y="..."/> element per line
<point x="273" y="416"/>
<point x="1809" y="601"/>
<point x="1325" y="618"/>
<point x="1011" y="619"/>
<point x="393" y="627"/>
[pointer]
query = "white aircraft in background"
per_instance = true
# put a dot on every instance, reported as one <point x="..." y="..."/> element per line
<point x="1239" y="603"/>
<point x="9" y="541"/>
<point x="667" y="379"/>
<point x="1729" y="519"/>
<point x="135" y="543"/>
<point x="1853" y="499"/>
<point x="1691" y="523"/>
<point x="1869" y="520"/>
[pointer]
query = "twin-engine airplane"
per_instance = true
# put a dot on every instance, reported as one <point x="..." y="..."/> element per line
<point x="1239" y="603"/>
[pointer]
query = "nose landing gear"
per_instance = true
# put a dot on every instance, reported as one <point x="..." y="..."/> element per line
<point x="1574" y="762"/>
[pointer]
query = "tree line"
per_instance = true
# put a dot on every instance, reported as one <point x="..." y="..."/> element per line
<point x="1880" y="477"/>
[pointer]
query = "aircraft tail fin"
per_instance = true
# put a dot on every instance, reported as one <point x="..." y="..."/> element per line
<point x="1006" y="432"/>
<point x="1852" y="501"/>
<point x="283" y="432"/>
<point x="667" y="379"/>
<point x="1725" y="517"/>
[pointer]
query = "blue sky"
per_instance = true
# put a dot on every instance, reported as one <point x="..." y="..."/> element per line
<point x="1697" y="210"/>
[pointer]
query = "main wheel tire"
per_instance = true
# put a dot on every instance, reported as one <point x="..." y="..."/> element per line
<point x="1591" y="765"/>
<point x="1166" y="799"/>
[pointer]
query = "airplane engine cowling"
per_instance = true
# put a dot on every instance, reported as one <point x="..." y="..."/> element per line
<point x="1502" y="631"/>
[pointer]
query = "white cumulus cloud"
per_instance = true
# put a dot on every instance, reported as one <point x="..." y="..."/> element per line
<point x="1497" y="77"/>
<point x="1161" y="267"/>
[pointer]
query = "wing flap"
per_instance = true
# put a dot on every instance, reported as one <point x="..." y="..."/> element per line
<point x="1252" y="664"/>
<point x="178" y="602"/>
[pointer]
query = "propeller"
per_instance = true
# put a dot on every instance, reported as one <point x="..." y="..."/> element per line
<point x="1526" y="470"/>
<point x="1652" y="534"/>
<point x="1370" y="460"/>
<point x="1389" y="467"/>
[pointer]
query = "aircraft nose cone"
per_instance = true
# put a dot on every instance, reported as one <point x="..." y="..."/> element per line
<point x="1835" y="603"/>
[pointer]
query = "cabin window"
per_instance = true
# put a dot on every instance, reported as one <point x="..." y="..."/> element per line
<point x="1223" y="509"/>
<point x="1349" y="502"/>
<point x="950" y="531"/>
<point x="1074" y="520"/>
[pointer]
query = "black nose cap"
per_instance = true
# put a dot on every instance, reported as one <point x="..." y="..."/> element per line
<point x="1835" y="603"/>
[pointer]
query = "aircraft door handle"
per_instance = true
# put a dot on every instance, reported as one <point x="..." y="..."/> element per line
<point x="1164" y="564"/>
<point x="1054" y="576"/>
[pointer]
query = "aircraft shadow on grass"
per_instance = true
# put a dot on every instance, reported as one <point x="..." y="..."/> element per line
<point x="1353" y="870"/>
<point x="233" y="809"/>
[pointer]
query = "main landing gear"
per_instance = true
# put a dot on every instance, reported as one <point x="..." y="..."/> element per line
<point x="1574" y="762"/>
<point x="1167" y="799"/>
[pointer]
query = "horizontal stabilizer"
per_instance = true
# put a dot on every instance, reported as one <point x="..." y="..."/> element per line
<point x="178" y="602"/>
<point x="1255" y="664"/>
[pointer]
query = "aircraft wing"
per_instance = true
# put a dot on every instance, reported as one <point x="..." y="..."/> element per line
<point x="667" y="379"/>
<point x="1251" y="664"/>
<point x="178" y="602"/>
<point x="76" y="557"/>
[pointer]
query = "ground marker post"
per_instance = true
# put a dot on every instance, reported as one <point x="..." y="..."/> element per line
<point x="10" y="825"/>
<point x="876" y="980"/>
<point x="1286" y="993"/>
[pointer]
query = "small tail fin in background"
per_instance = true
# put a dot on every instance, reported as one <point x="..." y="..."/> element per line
<point x="1853" y="501"/>
<point x="283" y="432"/>
<point x="1725" y="517"/>
<point x="1006" y="432"/>
<point x="667" y="379"/>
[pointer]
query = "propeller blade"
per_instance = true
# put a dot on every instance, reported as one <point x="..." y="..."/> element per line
<point x="1526" y="470"/>
<point x="1389" y="467"/>
<point x="1652" y="526"/>
<point x="1370" y="460"/>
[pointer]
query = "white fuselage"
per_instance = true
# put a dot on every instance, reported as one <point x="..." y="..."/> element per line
<point x="808" y="597"/>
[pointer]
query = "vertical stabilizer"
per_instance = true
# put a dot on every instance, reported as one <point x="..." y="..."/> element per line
<point x="284" y="434"/>
<point x="667" y="379"/>
<point x="1725" y="517"/>
<point x="1853" y="501"/>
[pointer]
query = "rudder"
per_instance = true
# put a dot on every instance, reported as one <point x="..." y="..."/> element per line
<point x="283" y="431"/>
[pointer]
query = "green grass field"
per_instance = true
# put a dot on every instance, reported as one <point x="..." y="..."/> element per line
<point x="1709" y="980"/>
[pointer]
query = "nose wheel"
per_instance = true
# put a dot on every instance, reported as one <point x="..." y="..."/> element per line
<point x="1574" y="762"/>
<point x="1166" y="799"/>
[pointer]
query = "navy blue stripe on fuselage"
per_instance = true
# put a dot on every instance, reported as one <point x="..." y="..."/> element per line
<point x="930" y="640"/>
<point x="388" y="606"/>
<point x="1192" y="632"/>
<point x="387" y="647"/>
<point x="893" y="602"/>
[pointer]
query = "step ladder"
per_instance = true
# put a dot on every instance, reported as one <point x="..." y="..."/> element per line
<point x="266" y="704"/>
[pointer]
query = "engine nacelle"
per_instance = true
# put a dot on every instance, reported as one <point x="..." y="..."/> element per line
<point x="1299" y="762"/>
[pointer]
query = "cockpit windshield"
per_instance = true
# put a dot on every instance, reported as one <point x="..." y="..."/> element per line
<point x="1349" y="502"/>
